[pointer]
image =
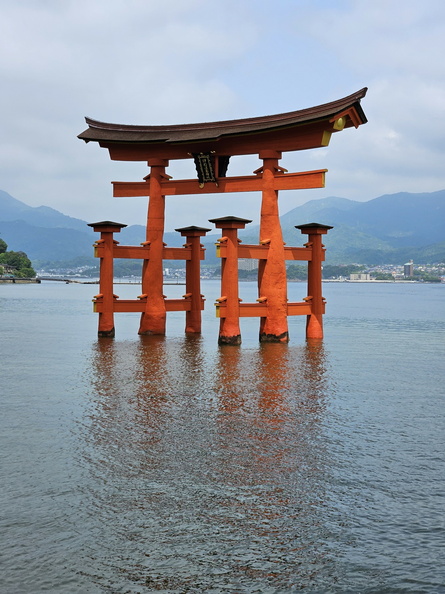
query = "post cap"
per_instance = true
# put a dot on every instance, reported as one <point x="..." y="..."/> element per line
<point x="192" y="230"/>
<point x="314" y="228"/>
<point x="107" y="226"/>
<point x="230" y="222"/>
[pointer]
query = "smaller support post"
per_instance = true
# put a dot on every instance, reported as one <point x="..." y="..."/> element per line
<point x="314" y="323"/>
<point x="106" y="244"/>
<point x="229" y="329"/>
<point x="193" y="277"/>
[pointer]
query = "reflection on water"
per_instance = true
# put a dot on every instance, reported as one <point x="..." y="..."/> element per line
<point x="152" y="464"/>
<point x="207" y="468"/>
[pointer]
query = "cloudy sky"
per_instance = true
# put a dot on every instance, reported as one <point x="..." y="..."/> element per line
<point x="180" y="61"/>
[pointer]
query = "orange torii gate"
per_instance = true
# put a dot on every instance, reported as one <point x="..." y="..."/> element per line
<point x="211" y="145"/>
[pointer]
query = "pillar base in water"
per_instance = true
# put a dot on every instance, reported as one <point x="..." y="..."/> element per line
<point x="314" y="327"/>
<point x="152" y="323"/>
<point x="284" y="337"/>
<point x="233" y="340"/>
<point x="106" y="333"/>
<point x="151" y="332"/>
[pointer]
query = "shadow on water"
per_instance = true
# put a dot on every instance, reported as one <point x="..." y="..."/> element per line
<point x="206" y="467"/>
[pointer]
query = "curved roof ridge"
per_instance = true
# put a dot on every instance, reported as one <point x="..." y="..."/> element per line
<point x="280" y="119"/>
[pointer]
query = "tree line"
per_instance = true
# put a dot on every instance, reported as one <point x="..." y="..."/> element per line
<point x="16" y="264"/>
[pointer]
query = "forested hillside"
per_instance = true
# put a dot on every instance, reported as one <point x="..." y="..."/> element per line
<point x="389" y="229"/>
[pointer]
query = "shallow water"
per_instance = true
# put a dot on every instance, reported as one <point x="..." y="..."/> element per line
<point x="143" y="464"/>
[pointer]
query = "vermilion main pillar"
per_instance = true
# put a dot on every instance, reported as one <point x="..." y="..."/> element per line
<point x="272" y="282"/>
<point x="154" y="317"/>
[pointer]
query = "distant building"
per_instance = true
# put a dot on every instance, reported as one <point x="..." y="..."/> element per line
<point x="360" y="277"/>
<point x="247" y="264"/>
<point x="8" y="270"/>
<point x="408" y="269"/>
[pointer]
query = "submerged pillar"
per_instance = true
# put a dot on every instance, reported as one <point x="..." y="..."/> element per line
<point x="272" y="281"/>
<point x="104" y="250"/>
<point x="229" y="328"/>
<point x="193" y="277"/>
<point x="153" y="319"/>
<point x="314" y="322"/>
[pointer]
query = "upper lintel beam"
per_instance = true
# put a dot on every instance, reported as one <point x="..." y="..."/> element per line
<point x="247" y="183"/>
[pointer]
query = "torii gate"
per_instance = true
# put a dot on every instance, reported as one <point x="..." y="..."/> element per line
<point x="211" y="145"/>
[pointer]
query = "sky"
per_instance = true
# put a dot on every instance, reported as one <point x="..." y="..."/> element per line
<point x="182" y="61"/>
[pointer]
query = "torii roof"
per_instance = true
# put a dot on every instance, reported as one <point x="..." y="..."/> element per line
<point x="296" y="130"/>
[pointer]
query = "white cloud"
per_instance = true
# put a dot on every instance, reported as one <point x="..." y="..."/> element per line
<point x="140" y="61"/>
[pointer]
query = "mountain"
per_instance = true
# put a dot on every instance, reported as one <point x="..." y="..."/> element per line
<point x="389" y="229"/>
<point x="400" y="219"/>
<point x="12" y="209"/>
<point x="47" y="235"/>
<point x="392" y="228"/>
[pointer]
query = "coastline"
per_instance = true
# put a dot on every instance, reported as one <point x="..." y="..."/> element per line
<point x="21" y="281"/>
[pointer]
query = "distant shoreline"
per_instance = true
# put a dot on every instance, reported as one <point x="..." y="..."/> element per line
<point x="84" y="281"/>
<point x="405" y="282"/>
<point x="20" y="281"/>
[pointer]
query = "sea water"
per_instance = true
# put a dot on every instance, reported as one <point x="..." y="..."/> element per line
<point x="145" y="464"/>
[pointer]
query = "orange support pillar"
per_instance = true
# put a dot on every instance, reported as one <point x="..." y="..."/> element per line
<point x="314" y="324"/>
<point x="154" y="317"/>
<point x="229" y="329"/>
<point x="104" y="247"/>
<point x="272" y="281"/>
<point x="193" y="277"/>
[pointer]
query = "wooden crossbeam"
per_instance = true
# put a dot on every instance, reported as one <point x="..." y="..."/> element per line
<point x="139" y="305"/>
<point x="248" y="183"/>
<point x="260" y="252"/>
<point x="136" y="252"/>
<point x="253" y="310"/>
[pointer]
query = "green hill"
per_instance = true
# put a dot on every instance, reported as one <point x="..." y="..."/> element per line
<point x="389" y="229"/>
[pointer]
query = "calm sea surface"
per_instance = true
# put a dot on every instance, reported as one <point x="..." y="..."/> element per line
<point x="145" y="464"/>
